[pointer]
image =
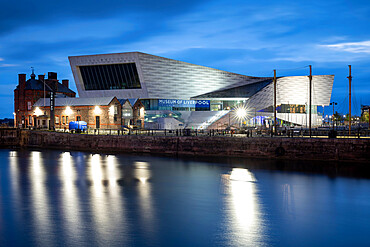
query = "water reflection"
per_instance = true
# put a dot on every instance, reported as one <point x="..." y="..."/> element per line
<point x="288" y="199"/>
<point x="243" y="212"/>
<point x="142" y="173"/>
<point x="54" y="198"/>
<point x="14" y="175"/>
<point x="112" y="171"/>
<point x="108" y="206"/>
<point x="40" y="206"/>
<point x="70" y="203"/>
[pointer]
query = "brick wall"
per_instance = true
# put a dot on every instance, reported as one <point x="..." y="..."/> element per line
<point x="283" y="148"/>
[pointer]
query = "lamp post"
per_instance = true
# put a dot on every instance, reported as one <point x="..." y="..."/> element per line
<point x="255" y="117"/>
<point x="333" y="103"/>
<point x="323" y="115"/>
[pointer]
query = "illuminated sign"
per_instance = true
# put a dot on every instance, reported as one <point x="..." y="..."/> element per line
<point x="183" y="103"/>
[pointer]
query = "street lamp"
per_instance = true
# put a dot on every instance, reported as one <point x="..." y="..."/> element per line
<point x="333" y="103"/>
<point x="323" y="115"/>
<point x="241" y="112"/>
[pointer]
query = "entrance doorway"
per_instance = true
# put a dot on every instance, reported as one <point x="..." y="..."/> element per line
<point x="97" y="122"/>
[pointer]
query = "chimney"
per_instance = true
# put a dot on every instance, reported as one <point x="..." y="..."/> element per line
<point x="22" y="81"/>
<point x="52" y="76"/>
<point x="41" y="77"/>
<point x="65" y="83"/>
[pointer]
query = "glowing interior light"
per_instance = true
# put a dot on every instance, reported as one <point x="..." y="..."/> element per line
<point x="142" y="111"/>
<point x="68" y="110"/>
<point x="38" y="112"/>
<point x="97" y="110"/>
<point x="111" y="110"/>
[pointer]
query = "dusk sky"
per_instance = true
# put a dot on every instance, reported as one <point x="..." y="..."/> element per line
<point x="246" y="37"/>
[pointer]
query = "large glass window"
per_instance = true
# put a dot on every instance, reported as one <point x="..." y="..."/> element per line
<point x="110" y="76"/>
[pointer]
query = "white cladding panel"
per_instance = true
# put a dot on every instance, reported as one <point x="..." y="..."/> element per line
<point x="294" y="90"/>
<point x="171" y="79"/>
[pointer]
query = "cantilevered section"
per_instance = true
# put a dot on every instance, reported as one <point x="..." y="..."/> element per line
<point x="157" y="77"/>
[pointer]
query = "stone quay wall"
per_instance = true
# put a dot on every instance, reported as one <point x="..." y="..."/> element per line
<point x="341" y="149"/>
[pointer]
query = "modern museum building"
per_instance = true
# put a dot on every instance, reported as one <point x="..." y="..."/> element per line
<point x="177" y="94"/>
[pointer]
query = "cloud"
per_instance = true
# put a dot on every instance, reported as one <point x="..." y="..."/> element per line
<point x="33" y="13"/>
<point x="352" y="47"/>
<point x="8" y="65"/>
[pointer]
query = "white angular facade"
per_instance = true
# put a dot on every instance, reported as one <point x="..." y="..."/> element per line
<point x="145" y="76"/>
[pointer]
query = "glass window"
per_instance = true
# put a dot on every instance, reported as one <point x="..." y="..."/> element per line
<point x="110" y="76"/>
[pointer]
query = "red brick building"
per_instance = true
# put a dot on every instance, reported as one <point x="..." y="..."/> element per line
<point x="28" y="92"/>
<point x="98" y="113"/>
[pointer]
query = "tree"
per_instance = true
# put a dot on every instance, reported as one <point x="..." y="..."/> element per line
<point x="365" y="117"/>
<point x="338" y="116"/>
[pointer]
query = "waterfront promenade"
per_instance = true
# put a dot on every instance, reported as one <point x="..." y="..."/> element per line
<point x="297" y="148"/>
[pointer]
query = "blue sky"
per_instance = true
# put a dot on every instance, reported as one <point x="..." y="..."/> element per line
<point x="246" y="37"/>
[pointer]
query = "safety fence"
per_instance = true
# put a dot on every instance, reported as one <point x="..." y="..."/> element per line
<point x="291" y="133"/>
<point x="364" y="133"/>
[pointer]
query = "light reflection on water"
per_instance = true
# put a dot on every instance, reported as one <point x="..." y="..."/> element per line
<point x="40" y="204"/>
<point x="70" y="203"/>
<point x="142" y="172"/>
<point x="243" y="218"/>
<point x="53" y="198"/>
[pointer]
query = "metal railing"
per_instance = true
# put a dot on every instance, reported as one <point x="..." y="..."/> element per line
<point x="290" y="133"/>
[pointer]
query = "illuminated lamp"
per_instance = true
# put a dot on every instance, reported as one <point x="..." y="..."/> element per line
<point x="37" y="112"/>
<point x="241" y="112"/>
<point x="68" y="110"/>
<point x="97" y="110"/>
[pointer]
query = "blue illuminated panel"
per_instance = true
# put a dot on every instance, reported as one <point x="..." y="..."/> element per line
<point x="204" y="104"/>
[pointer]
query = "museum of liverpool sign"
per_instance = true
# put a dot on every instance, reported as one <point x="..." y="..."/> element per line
<point x="204" y="104"/>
